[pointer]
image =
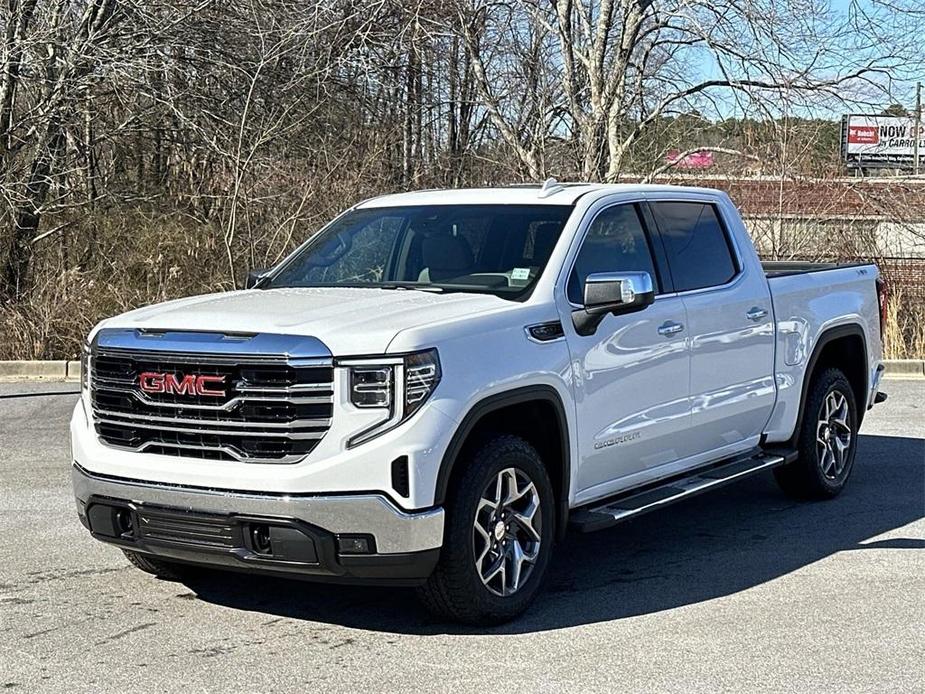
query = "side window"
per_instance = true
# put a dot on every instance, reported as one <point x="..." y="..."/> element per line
<point x="698" y="250"/>
<point x="615" y="242"/>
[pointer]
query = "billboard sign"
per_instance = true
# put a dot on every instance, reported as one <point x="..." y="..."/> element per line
<point x="881" y="141"/>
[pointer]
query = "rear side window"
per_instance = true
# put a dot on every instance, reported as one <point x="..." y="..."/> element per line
<point x="615" y="242"/>
<point x="698" y="249"/>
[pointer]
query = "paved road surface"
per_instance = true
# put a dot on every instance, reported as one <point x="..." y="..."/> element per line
<point x="739" y="590"/>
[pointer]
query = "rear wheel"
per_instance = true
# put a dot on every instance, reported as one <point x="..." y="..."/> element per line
<point x="827" y="442"/>
<point x="499" y="535"/>
<point x="156" y="567"/>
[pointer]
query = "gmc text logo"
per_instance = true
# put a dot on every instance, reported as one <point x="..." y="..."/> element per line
<point x="190" y="384"/>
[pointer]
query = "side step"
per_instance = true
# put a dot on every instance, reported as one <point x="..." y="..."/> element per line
<point x="635" y="503"/>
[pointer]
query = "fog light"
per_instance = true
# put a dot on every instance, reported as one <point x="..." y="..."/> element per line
<point x="124" y="521"/>
<point x="260" y="539"/>
<point x="355" y="544"/>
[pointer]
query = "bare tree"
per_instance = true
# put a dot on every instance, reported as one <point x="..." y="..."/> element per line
<point x="154" y="149"/>
<point x="614" y="68"/>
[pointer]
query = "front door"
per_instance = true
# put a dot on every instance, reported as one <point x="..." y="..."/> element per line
<point x="631" y="376"/>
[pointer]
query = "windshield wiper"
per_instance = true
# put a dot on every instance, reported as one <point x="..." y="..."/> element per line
<point x="410" y="285"/>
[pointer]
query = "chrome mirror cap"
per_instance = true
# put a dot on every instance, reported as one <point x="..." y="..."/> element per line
<point x="612" y="293"/>
<point x="618" y="292"/>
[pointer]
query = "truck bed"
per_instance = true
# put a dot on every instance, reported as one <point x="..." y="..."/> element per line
<point x="809" y="298"/>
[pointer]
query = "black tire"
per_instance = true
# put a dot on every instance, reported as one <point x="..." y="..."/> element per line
<point x="807" y="478"/>
<point x="156" y="567"/>
<point x="455" y="591"/>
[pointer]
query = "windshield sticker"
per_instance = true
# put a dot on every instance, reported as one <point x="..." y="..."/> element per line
<point x="520" y="273"/>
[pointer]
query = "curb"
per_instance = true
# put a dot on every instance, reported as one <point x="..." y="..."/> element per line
<point x="13" y="371"/>
<point x="16" y="371"/>
<point x="904" y="368"/>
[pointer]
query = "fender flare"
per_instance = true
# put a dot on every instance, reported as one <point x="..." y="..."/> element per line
<point x="828" y="336"/>
<point x="493" y="403"/>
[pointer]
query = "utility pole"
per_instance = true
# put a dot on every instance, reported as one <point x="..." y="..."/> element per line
<point x="918" y="126"/>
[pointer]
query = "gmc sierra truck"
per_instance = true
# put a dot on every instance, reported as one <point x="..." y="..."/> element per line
<point x="433" y="388"/>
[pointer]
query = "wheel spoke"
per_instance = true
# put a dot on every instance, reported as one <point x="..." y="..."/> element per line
<point x="822" y="430"/>
<point x="495" y="568"/>
<point x="485" y="504"/>
<point x="482" y="532"/>
<point x="839" y="449"/>
<point x="525" y="522"/>
<point x="499" y="490"/>
<point x="480" y="560"/>
<point x="515" y="495"/>
<point x="842" y="426"/>
<point x="517" y="563"/>
<point x="828" y="460"/>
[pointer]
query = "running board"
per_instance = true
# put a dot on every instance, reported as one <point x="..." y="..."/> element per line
<point x="632" y="504"/>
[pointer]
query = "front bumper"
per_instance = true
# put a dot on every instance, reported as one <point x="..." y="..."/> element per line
<point x="314" y="536"/>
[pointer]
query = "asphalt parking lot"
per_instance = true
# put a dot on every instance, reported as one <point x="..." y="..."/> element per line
<point x="739" y="590"/>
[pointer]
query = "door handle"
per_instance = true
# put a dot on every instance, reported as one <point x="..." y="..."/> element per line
<point x="670" y="328"/>
<point x="756" y="313"/>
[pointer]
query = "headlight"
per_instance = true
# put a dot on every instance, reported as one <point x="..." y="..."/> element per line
<point x="396" y="385"/>
<point x="422" y="374"/>
<point x="371" y="386"/>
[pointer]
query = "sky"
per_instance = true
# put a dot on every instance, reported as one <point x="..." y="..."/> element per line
<point x="902" y="87"/>
<point x="905" y="90"/>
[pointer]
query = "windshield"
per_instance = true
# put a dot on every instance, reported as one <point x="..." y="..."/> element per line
<point x="500" y="249"/>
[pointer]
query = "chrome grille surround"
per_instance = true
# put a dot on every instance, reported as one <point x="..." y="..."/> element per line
<point x="278" y="405"/>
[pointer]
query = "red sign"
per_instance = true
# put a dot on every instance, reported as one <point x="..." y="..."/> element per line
<point x="863" y="135"/>
<point x="695" y="160"/>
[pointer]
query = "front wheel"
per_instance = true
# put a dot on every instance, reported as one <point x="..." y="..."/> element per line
<point x="827" y="442"/>
<point x="499" y="535"/>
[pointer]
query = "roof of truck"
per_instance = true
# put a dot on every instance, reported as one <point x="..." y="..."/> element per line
<point x="549" y="193"/>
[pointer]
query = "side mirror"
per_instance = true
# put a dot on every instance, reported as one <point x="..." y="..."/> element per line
<point x="612" y="292"/>
<point x="253" y="278"/>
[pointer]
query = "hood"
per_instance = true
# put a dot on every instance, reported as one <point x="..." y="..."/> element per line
<point x="350" y="321"/>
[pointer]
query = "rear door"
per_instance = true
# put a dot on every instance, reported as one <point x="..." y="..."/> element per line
<point x="729" y="323"/>
<point x="630" y="376"/>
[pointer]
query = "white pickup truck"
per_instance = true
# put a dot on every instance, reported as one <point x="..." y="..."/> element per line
<point x="437" y="385"/>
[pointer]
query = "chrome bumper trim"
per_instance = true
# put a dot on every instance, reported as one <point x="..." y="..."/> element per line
<point x="396" y="531"/>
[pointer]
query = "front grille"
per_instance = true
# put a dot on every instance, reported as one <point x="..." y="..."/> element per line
<point x="273" y="411"/>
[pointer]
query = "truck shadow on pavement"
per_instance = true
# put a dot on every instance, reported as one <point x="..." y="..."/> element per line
<point x="712" y="546"/>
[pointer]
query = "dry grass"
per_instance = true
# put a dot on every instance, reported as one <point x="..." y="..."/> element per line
<point x="904" y="331"/>
<point x="140" y="261"/>
<point x="55" y="321"/>
<point x="137" y="262"/>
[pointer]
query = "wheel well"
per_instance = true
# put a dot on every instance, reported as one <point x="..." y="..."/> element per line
<point x="539" y="421"/>
<point x="846" y="351"/>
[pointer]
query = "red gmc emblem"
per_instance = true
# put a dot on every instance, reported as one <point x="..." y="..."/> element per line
<point x="190" y="384"/>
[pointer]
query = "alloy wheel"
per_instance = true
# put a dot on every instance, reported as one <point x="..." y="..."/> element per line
<point x="833" y="435"/>
<point x="506" y="534"/>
